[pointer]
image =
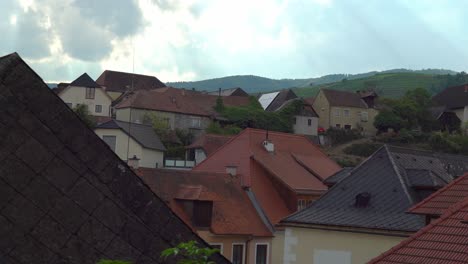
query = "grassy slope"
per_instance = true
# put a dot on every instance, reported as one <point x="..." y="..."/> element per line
<point x="387" y="84"/>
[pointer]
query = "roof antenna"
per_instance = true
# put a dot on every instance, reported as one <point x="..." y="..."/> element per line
<point x="130" y="109"/>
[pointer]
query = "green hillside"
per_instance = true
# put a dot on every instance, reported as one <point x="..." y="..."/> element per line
<point x="390" y="84"/>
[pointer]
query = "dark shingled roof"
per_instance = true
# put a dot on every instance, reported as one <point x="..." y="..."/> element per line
<point x="65" y="197"/>
<point x="143" y="134"/>
<point x="283" y="97"/>
<point x="230" y="92"/>
<point x="392" y="176"/>
<point x="344" y="98"/>
<point x="85" y="81"/>
<point x="338" y="176"/>
<point x="452" y="97"/>
<point x="115" y="81"/>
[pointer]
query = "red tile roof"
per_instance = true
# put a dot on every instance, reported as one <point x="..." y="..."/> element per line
<point x="176" y="100"/>
<point x="437" y="203"/>
<point x="233" y="212"/>
<point x="443" y="241"/>
<point x="209" y="142"/>
<point x="313" y="164"/>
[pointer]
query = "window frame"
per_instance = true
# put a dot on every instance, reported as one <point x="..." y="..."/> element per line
<point x="346" y="112"/>
<point x="337" y="112"/>
<point x="309" y="122"/>
<point x="195" y="122"/>
<point x="243" y="251"/>
<point x="267" y="250"/>
<point x="221" y="246"/>
<point x="96" y="110"/>
<point x="366" y="114"/>
<point x="90" y="93"/>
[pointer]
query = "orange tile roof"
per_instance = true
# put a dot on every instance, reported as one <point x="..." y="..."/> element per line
<point x="443" y="241"/>
<point x="233" y="212"/>
<point x="437" y="203"/>
<point x="176" y="100"/>
<point x="209" y="142"/>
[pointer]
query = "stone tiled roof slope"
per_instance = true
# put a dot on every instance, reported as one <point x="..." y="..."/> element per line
<point x="437" y="203"/>
<point x="143" y="134"/>
<point x="85" y="81"/>
<point x="452" y="97"/>
<point x="176" y="100"/>
<point x="65" y="197"/>
<point x="115" y="81"/>
<point x="209" y="142"/>
<point x="344" y="98"/>
<point x="233" y="213"/>
<point x="442" y="241"/>
<point x="387" y="176"/>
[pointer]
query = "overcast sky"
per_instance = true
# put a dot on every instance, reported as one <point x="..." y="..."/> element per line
<point x="193" y="40"/>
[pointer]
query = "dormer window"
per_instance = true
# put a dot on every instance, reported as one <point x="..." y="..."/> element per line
<point x="90" y="93"/>
<point x="202" y="213"/>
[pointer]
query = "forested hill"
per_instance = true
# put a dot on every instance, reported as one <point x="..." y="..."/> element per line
<point x="257" y="84"/>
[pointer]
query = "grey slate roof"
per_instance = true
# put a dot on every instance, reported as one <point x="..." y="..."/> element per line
<point x="396" y="179"/>
<point x="143" y="134"/>
<point x="452" y="97"/>
<point x="85" y="81"/>
<point x="280" y="99"/>
<point x="344" y="98"/>
<point x="338" y="176"/>
<point x="65" y="197"/>
<point x="237" y="91"/>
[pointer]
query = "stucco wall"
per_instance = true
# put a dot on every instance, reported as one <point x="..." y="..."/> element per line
<point x="302" y="125"/>
<point x="77" y="95"/>
<point x="315" y="246"/>
<point x="277" y="247"/>
<point x="322" y="107"/>
<point x="227" y="242"/>
<point x="148" y="157"/>
<point x="354" y="118"/>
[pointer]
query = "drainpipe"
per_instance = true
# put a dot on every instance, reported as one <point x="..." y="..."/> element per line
<point x="247" y="242"/>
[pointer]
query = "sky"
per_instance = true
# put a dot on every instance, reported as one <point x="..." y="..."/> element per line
<point x="184" y="40"/>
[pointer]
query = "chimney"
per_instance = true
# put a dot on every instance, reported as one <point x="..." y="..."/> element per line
<point x="269" y="146"/>
<point x="232" y="170"/>
<point x="134" y="162"/>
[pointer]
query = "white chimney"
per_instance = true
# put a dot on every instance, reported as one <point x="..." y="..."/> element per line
<point x="232" y="170"/>
<point x="269" y="146"/>
<point x="134" y="162"/>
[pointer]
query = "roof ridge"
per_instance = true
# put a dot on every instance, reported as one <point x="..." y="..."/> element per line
<point x="451" y="211"/>
<point x="400" y="177"/>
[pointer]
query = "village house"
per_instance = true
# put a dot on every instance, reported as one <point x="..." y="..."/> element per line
<point x="443" y="240"/>
<point x="305" y="122"/>
<point x="84" y="91"/>
<point x="133" y="141"/>
<point x="117" y="83"/>
<point x="347" y="110"/>
<point x="205" y="145"/>
<point x="237" y="91"/>
<point x="65" y="197"/>
<point x="218" y="209"/>
<point x="179" y="108"/>
<point x="364" y="212"/>
<point x="452" y="103"/>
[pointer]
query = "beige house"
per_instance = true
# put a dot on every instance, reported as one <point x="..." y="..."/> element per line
<point x="133" y="140"/>
<point x="84" y="91"/>
<point x="346" y="110"/>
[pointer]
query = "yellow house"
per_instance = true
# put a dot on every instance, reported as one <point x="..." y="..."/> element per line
<point x="129" y="140"/>
<point x="364" y="212"/>
<point x="346" y="110"/>
<point x="84" y="91"/>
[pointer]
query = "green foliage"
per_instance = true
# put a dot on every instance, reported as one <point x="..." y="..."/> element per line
<point x="362" y="149"/>
<point x="340" y="136"/>
<point x="387" y="119"/>
<point x="191" y="253"/>
<point x="404" y="136"/>
<point x="449" y="143"/>
<point x="347" y="162"/>
<point x="215" y="128"/>
<point x="219" y="107"/>
<point x="82" y="111"/>
<point x="108" y="261"/>
<point x="159" y="124"/>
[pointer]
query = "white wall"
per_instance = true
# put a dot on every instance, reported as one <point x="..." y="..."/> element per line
<point x="148" y="157"/>
<point x="302" y="125"/>
<point x="199" y="155"/>
<point x="77" y="95"/>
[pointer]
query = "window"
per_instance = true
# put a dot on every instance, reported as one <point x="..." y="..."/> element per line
<point x="69" y="105"/>
<point x="90" y="92"/>
<point x="338" y="126"/>
<point x="196" y="122"/>
<point x="98" y="109"/>
<point x="202" y="211"/>
<point x="364" y="117"/>
<point x="237" y="253"/>
<point x="110" y="140"/>
<point x="346" y="112"/>
<point x="337" y="112"/>
<point x="218" y="246"/>
<point x="261" y="254"/>
<point x="294" y="120"/>
<point x="347" y="127"/>
<point x="231" y="170"/>
<point x="303" y="203"/>
<point x="309" y="122"/>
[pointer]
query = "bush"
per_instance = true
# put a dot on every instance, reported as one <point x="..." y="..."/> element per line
<point x="363" y="150"/>
<point x="340" y="136"/>
<point x="215" y="128"/>
<point x="346" y="162"/>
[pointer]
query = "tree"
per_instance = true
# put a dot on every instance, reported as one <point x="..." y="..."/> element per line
<point x="159" y="124"/>
<point x="387" y="119"/>
<point x="191" y="253"/>
<point x="82" y="111"/>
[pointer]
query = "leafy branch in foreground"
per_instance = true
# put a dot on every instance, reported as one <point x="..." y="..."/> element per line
<point x="191" y="253"/>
